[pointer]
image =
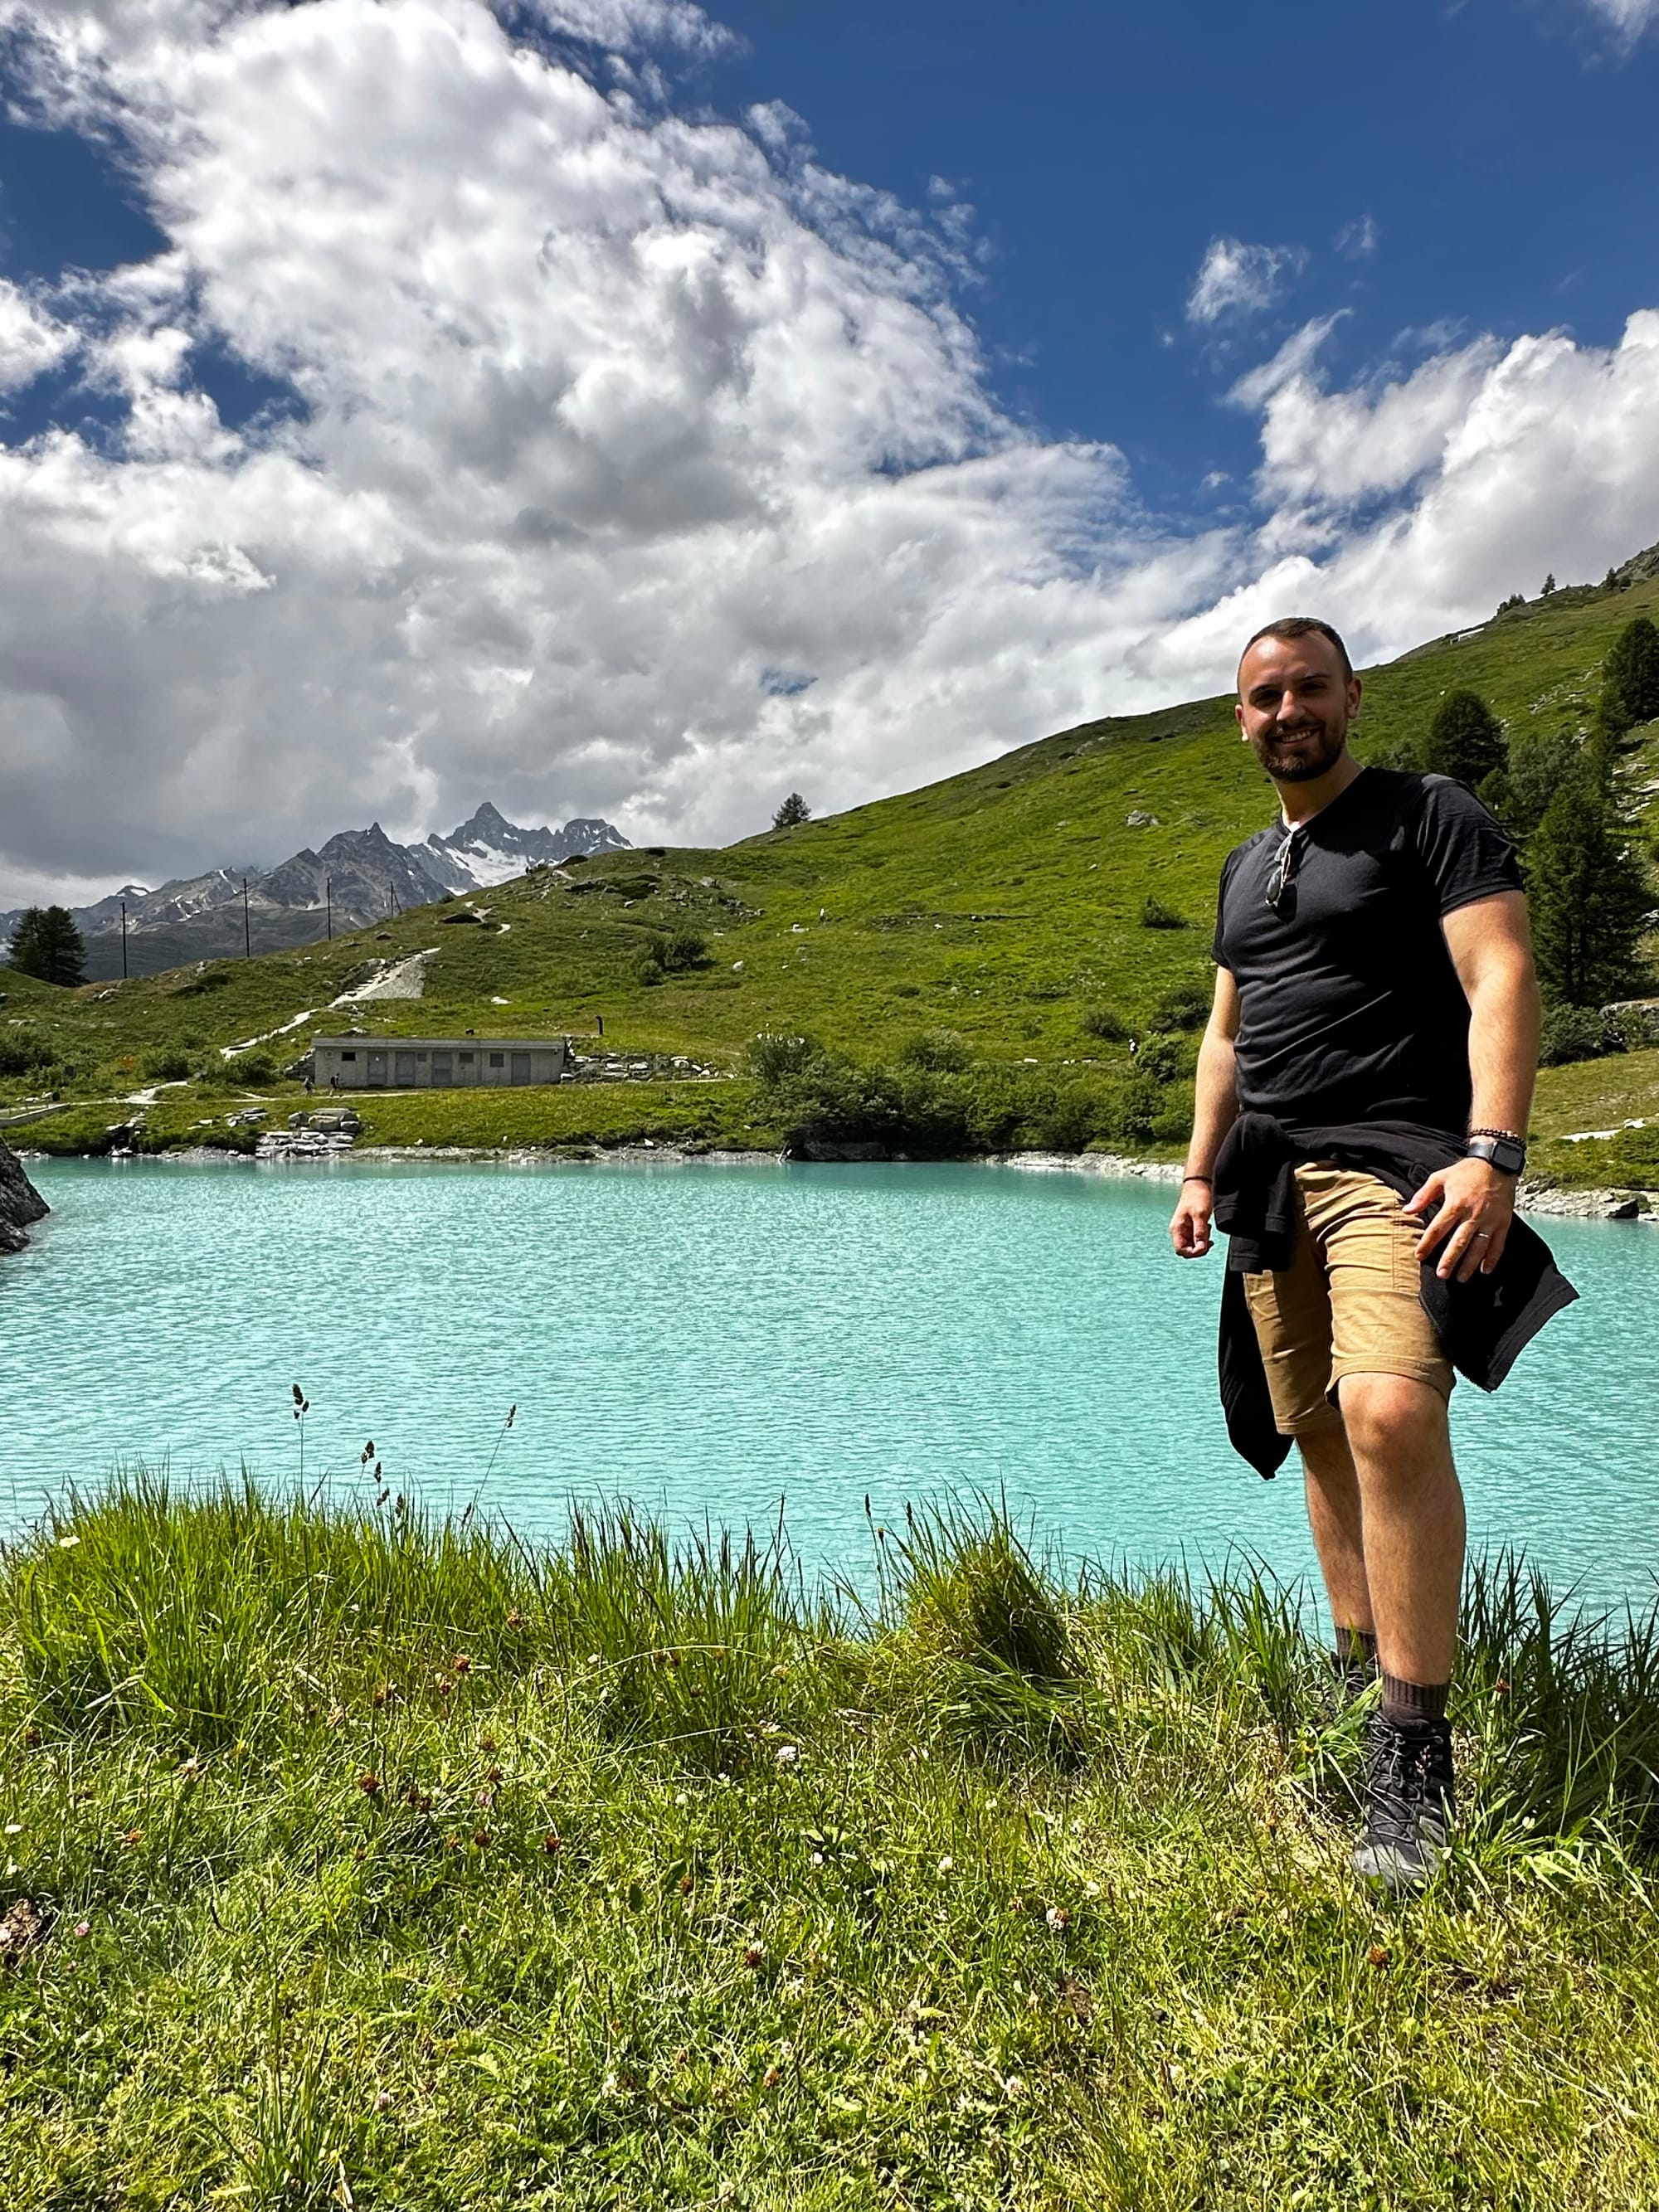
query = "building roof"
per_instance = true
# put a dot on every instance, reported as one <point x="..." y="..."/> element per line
<point x="352" y="1039"/>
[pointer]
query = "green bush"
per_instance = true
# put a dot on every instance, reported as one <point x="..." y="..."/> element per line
<point x="1572" y="1033"/>
<point x="168" y="1066"/>
<point x="1155" y="915"/>
<point x="1187" y="1007"/>
<point x="22" y="1051"/>
<point x="941" y="1051"/>
<point x="676" y="950"/>
<point x="648" y="970"/>
<point x="1105" y="1022"/>
<point x="774" y="1060"/>
<point x="1164" y="1059"/>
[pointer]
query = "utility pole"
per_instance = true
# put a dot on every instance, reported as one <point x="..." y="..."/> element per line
<point x="328" y="902"/>
<point x="124" y="940"/>
<point x="247" y="926"/>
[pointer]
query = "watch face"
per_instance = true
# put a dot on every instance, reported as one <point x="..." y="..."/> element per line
<point x="1511" y="1157"/>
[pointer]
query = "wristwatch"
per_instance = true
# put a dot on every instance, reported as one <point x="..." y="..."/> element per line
<point x="1501" y="1148"/>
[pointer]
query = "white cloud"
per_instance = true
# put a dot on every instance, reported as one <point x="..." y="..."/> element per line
<point x="637" y="466"/>
<point x="1358" y="241"/>
<point x="1629" y="18"/>
<point x="1235" y="280"/>
<point x="32" y="340"/>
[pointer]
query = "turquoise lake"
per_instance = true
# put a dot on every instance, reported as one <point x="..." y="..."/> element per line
<point x="709" y="1339"/>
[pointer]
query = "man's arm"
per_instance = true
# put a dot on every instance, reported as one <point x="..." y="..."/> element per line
<point x="1215" y="1109"/>
<point x="1491" y="948"/>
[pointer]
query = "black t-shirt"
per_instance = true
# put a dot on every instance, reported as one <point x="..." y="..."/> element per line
<point x="1350" y="1008"/>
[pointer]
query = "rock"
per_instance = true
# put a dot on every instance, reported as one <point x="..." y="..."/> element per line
<point x="1624" y="1208"/>
<point x="1639" y="1015"/>
<point x="1140" y="821"/>
<point x="328" y="1121"/>
<point x="828" y="1148"/>
<point x="19" y="1201"/>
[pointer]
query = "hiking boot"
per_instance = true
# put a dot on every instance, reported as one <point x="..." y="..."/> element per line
<point x="1409" y="1802"/>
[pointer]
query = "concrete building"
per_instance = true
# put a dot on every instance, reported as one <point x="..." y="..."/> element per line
<point x="360" y="1063"/>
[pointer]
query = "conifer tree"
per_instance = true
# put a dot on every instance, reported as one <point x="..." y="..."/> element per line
<point x="46" y="944"/>
<point x="1466" y="739"/>
<point x="1630" y="674"/>
<point x="1589" y="895"/>
<point x="794" y="810"/>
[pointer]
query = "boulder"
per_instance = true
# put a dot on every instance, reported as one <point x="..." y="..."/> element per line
<point x="19" y="1201"/>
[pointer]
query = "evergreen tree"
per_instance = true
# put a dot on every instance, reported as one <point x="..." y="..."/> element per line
<point x="1589" y="896"/>
<point x="1630" y="675"/>
<point x="46" y="944"/>
<point x="1466" y="739"/>
<point x="794" y="810"/>
<point x="1549" y="584"/>
<point x="1540" y="762"/>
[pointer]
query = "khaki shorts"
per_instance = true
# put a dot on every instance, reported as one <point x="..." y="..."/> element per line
<point x="1350" y="1303"/>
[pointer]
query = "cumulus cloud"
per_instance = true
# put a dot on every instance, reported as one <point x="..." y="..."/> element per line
<point x="1236" y="280"/>
<point x="624" y="462"/>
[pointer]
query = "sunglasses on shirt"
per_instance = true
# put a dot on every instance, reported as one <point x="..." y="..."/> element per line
<point x="1281" y="879"/>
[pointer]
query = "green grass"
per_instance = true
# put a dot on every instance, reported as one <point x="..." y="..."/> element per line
<point x="1006" y="905"/>
<point x="378" y="1862"/>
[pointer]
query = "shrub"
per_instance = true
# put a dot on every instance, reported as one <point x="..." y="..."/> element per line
<point x="774" y="1060"/>
<point x="677" y="950"/>
<point x="647" y="969"/>
<point x="23" y="1050"/>
<point x="1104" y="1022"/>
<point x="942" y="1051"/>
<point x="1164" y="1059"/>
<point x="1572" y="1033"/>
<point x="1155" y="915"/>
<point x="1185" y="1008"/>
<point x="168" y="1066"/>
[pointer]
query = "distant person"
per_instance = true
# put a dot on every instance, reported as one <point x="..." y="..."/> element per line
<point x="309" y="1087"/>
<point x="1359" y="1131"/>
<point x="333" y="1082"/>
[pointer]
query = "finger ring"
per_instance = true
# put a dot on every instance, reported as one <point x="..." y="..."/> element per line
<point x="1482" y="1235"/>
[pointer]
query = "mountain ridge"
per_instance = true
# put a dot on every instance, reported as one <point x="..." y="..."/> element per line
<point x="357" y="877"/>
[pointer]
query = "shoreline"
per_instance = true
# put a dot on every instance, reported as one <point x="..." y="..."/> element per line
<point x="1632" y="1202"/>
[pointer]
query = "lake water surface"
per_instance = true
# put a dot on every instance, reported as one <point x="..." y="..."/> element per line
<point x="707" y="1339"/>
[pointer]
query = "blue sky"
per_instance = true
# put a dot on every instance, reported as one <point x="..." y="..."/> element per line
<point x="607" y="407"/>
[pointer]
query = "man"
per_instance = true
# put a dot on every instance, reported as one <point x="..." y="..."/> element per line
<point x="1363" y="1092"/>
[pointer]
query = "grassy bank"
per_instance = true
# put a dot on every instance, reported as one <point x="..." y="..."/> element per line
<point x="357" y="1862"/>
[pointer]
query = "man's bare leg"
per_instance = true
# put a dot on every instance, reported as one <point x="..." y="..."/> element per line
<point x="1334" y="1515"/>
<point x="1412" y="1519"/>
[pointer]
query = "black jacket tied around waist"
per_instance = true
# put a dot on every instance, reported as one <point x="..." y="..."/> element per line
<point x="1482" y="1324"/>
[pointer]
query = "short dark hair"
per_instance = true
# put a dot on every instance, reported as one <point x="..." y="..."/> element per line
<point x="1299" y="626"/>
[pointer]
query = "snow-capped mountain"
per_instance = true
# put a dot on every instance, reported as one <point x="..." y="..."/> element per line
<point x="490" y="850"/>
<point x="360" y="877"/>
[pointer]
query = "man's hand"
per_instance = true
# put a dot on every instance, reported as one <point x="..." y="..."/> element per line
<point x="1190" y="1224"/>
<point x="1474" y="1204"/>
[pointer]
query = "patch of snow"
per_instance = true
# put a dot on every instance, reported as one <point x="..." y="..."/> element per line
<point x="231" y="1051"/>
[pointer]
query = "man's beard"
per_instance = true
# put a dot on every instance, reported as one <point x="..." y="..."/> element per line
<point x="1303" y="765"/>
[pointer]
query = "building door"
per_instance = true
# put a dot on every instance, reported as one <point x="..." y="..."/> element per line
<point x="377" y="1069"/>
<point x="442" y="1070"/>
<point x="403" y="1067"/>
<point x="520" y="1070"/>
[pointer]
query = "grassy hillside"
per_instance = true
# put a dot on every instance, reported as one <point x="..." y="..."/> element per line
<point x="352" y="1862"/>
<point x="1003" y="904"/>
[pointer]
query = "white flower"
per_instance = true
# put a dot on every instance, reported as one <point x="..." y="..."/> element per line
<point x="788" y="1755"/>
<point x="947" y="1863"/>
<point x="67" y="1543"/>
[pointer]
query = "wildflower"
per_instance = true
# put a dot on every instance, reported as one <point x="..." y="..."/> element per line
<point x="486" y="1798"/>
<point x="1378" y="1954"/>
<point x="686" y="1885"/>
<point x="515" y="1618"/>
<point x="947" y="1863"/>
<point x="83" y="1927"/>
<point x="486" y="1743"/>
<point x="461" y="1663"/>
<point x="13" y="1828"/>
<point x="680" y="1797"/>
<point x="754" y="1955"/>
<point x="1058" y="1918"/>
<point x="133" y="1838"/>
<point x="67" y="1543"/>
<point x="382" y="2099"/>
<point x="594" y="1659"/>
<point x="552" y="1842"/>
<point x="369" y="1784"/>
<point x="771" y="2078"/>
<point x="1013" y="2088"/>
<point x="480" y="1839"/>
<point x="788" y="1755"/>
<point x="444" y="1688"/>
<point x="817" y="1858"/>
